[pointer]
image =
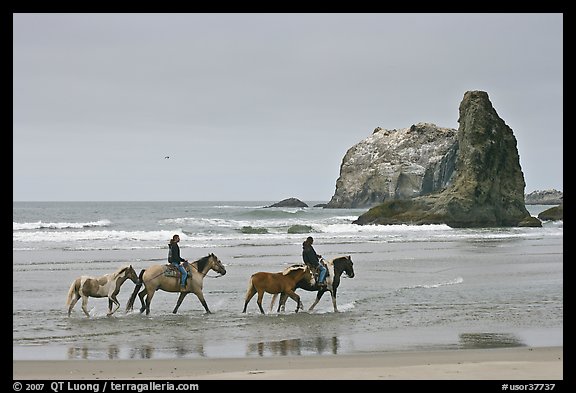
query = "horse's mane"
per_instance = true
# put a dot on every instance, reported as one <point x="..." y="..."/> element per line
<point x="120" y="270"/>
<point x="293" y="268"/>
<point x="346" y="257"/>
<point x="202" y="263"/>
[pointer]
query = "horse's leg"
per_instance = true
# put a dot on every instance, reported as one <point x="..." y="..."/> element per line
<point x="259" y="300"/>
<point x="318" y="297"/>
<point x="333" y="293"/>
<point x="180" y="298"/>
<point x="73" y="303"/>
<point x="149" y="300"/>
<point x="142" y="302"/>
<point x="272" y="301"/>
<point x="294" y="296"/>
<point x="249" y="295"/>
<point x="282" y="303"/>
<point x="113" y="300"/>
<point x="84" y="304"/>
<point x="200" y="296"/>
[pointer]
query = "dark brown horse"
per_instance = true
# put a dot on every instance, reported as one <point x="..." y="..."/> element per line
<point x="274" y="283"/>
<point x="335" y="267"/>
<point x="154" y="279"/>
<point x="107" y="285"/>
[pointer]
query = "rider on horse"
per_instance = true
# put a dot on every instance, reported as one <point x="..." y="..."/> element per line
<point x="175" y="259"/>
<point x="312" y="260"/>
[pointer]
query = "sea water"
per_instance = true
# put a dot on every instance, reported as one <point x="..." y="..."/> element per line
<point x="415" y="287"/>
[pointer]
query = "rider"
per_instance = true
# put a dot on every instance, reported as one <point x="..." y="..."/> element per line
<point x="175" y="259"/>
<point x="312" y="260"/>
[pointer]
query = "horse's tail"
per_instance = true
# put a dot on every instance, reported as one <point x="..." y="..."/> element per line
<point x="251" y="287"/>
<point x="272" y="301"/>
<point x="130" y="304"/>
<point x="71" y="293"/>
<point x="250" y="284"/>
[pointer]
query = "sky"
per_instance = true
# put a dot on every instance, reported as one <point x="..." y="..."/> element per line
<point x="262" y="106"/>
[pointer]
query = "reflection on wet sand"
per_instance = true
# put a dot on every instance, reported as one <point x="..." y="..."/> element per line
<point x="316" y="345"/>
<point x="142" y="352"/>
<point x="489" y="340"/>
<point x="183" y="351"/>
<point x="77" y="353"/>
<point x="113" y="352"/>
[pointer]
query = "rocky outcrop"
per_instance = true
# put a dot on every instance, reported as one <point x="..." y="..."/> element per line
<point x="396" y="164"/>
<point x="555" y="213"/>
<point x="544" y="197"/>
<point x="488" y="185"/>
<point x="290" y="202"/>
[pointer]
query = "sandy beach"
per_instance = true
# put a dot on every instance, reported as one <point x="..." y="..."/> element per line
<point x="525" y="363"/>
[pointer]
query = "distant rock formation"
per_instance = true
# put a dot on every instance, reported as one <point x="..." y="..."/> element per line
<point x="396" y="164"/>
<point x="298" y="228"/>
<point x="555" y="213"/>
<point x="290" y="202"/>
<point x="488" y="185"/>
<point x="544" y="197"/>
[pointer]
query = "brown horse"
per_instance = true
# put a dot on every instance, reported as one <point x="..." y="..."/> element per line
<point x="335" y="267"/>
<point x="107" y="285"/>
<point x="274" y="283"/>
<point x="154" y="278"/>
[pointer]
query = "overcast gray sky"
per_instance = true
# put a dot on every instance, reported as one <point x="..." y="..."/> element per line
<point x="262" y="106"/>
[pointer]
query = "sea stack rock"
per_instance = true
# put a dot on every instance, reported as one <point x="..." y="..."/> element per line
<point x="488" y="187"/>
<point x="555" y="213"/>
<point x="396" y="164"/>
<point x="290" y="202"/>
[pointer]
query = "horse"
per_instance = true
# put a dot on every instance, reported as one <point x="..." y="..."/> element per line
<point x="274" y="283"/>
<point x="335" y="267"/>
<point x="155" y="278"/>
<point x="107" y="285"/>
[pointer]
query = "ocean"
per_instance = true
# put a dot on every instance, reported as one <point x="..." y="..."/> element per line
<point x="415" y="287"/>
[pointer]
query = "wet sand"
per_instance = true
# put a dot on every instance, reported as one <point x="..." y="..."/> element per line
<point x="521" y="363"/>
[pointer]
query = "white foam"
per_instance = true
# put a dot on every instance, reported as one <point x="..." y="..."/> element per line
<point x="17" y="226"/>
<point x="457" y="280"/>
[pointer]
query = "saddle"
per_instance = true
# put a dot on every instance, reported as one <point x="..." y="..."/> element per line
<point x="173" y="271"/>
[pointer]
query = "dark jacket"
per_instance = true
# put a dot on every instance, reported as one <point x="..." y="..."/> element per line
<point x="309" y="256"/>
<point x="174" y="254"/>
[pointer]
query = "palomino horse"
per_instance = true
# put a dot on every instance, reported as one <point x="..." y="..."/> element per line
<point x="335" y="267"/>
<point x="274" y="283"/>
<point x="154" y="279"/>
<point x="107" y="285"/>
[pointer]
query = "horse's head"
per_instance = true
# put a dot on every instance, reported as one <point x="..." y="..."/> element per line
<point x="346" y="265"/>
<point x="300" y="272"/>
<point x="131" y="274"/>
<point x="216" y="264"/>
<point x="126" y="272"/>
<point x="303" y="270"/>
<point x="308" y="276"/>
